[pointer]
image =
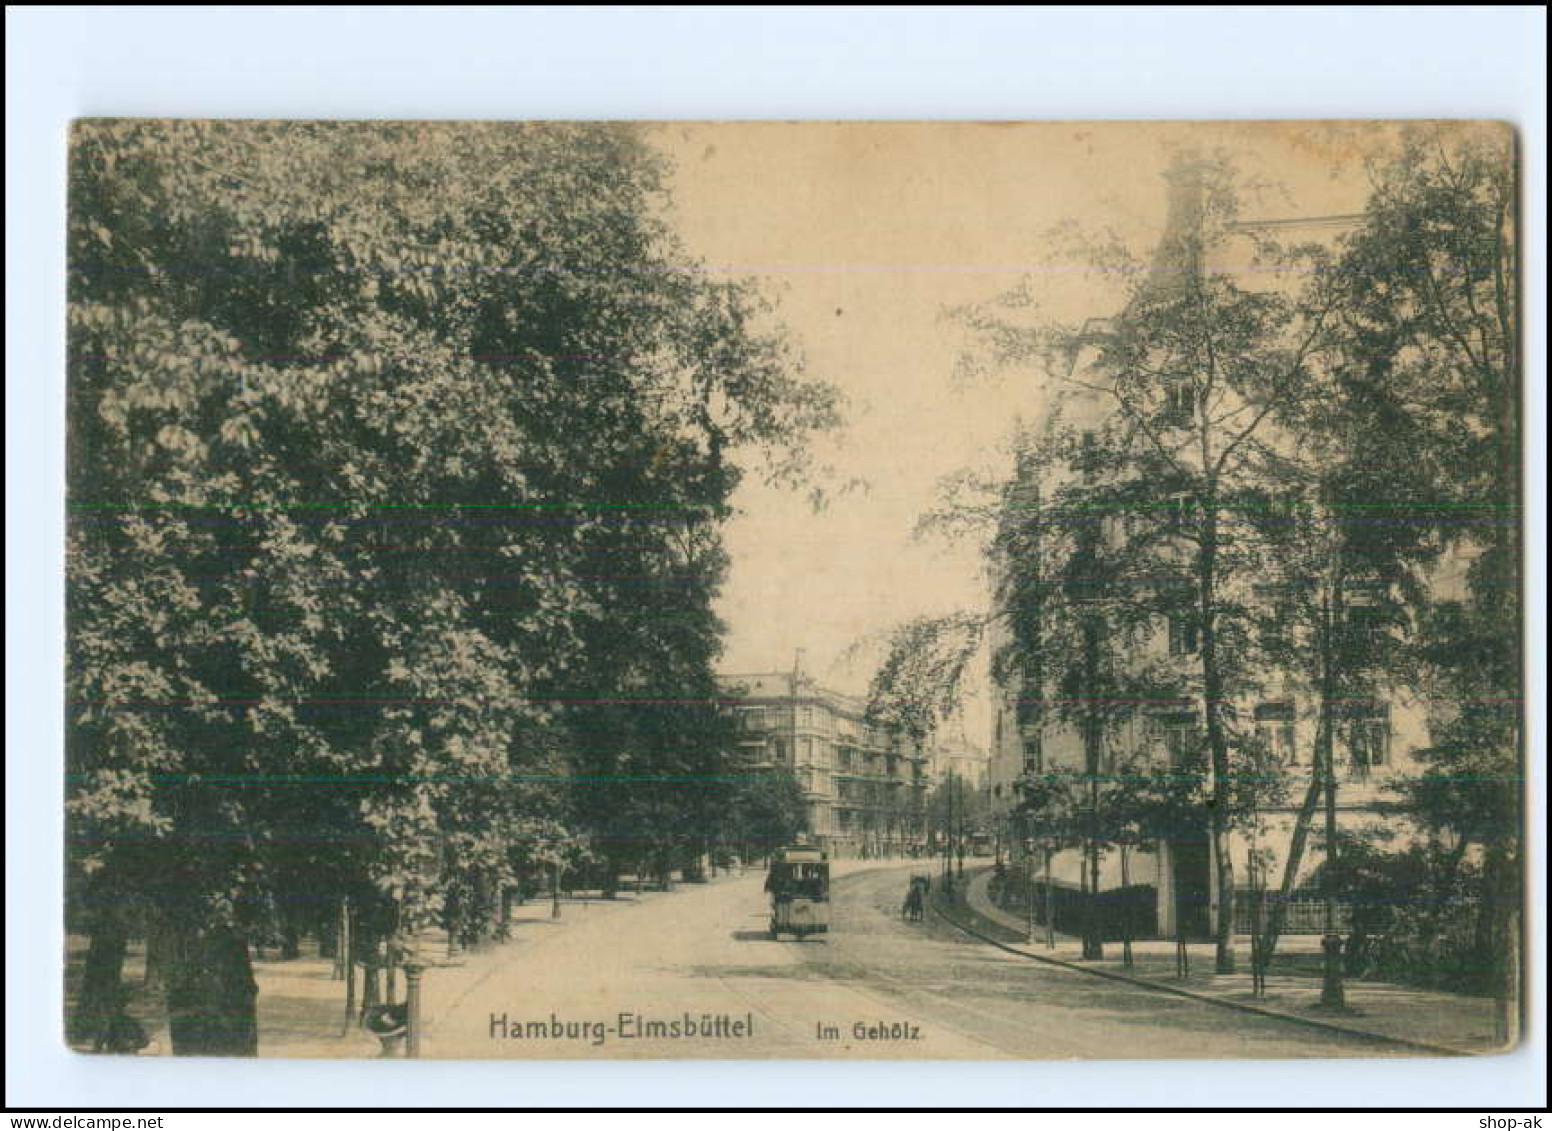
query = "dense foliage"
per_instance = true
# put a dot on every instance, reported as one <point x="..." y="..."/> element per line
<point x="1288" y="475"/>
<point x="398" y="456"/>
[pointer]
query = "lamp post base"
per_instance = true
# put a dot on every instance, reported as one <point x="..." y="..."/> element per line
<point x="1333" y="997"/>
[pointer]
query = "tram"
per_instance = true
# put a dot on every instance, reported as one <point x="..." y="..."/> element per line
<point x="799" y="887"/>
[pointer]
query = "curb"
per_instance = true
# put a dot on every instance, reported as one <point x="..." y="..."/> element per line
<point x="1208" y="999"/>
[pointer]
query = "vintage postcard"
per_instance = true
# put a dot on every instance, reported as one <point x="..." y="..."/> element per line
<point x="810" y="590"/>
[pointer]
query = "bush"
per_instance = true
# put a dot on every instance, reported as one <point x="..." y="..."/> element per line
<point x="1414" y="917"/>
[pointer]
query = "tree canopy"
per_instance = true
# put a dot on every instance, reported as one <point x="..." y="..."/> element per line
<point x="398" y="457"/>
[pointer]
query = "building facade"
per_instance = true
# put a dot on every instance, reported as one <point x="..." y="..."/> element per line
<point x="954" y="755"/>
<point x="1378" y="739"/>
<point x="864" y="786"/>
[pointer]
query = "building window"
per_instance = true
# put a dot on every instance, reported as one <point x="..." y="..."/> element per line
<point x="1276" y="616"/>
<point x="807" y="717"/>
<point x="1034" y="760"/>
<point x="1367" y="731"/>
<point x="1180" y="737"/>
<point x="1182" y="634"/>
<point x="1275" y="634"/>
<point x="1179" y="742"/>
<point x="754" y="718"/>
<point x="1275" y="730"/>
<point x="1180" y="401"/>
<point x="1366" y="617"/>
<point x="1180" y="512"/>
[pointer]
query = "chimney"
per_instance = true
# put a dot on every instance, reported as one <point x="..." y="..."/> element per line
<point x="1178" y="254"/>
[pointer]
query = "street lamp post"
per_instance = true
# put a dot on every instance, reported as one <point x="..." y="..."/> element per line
<point x="1332" y="993"/>
<point x="959" y="845"/>
<point x="952" y="830"/>
<point x="1050" y="907"/>
<point x="1126" y="918"/>
<point x="1093" y="944"/>
<point x="412" y="1025"/>
<point x="1029" y="888"/>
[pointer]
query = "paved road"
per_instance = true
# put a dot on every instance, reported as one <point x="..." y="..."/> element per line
<point x="613" y="980"/>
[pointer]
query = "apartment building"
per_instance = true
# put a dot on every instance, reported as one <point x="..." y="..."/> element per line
<point x="864" y="785"/>
<point x="954" y="755"/>
<point x="1378" y="738"/>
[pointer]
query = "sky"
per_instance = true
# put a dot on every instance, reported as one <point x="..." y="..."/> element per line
<point x="865" y="234"/>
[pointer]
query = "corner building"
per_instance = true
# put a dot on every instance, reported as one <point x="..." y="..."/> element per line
<point x="864" y="786"/>
<point x="1378" y="741"/>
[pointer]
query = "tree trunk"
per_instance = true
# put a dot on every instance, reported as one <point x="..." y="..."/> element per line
<point x="102" y="984"/>
<point x="347" y="962"/>
<point x="155" y="959"/>
<point x="1126" y="912"/>
<point x="371" y="984"/>
<point x="211" y="994"/>
<point x="1093" y="927"/>
<point x="1332" y="991"/>
<point x="368" y="950"/>
<point x="328" y="936"/>
<point x="1217" y="744"/>
<point x="1498" y="940"/>
<point x="1325" y="738"/>
<point x="504" y="921"/>
<point x="1301" y="828"/>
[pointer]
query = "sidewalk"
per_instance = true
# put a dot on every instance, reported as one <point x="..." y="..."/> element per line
<point x="301" y="1007"/>
<point x="301" y="1004"/>
<point x="1454" y="1022"/>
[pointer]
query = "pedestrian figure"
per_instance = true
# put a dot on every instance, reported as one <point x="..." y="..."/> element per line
<point x="911" y="910"/>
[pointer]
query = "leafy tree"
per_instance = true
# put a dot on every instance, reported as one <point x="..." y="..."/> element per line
<point x="1416" y="431"/>
<point x="377" y="431"/>
<point x="1348" y="522"/>
<point x="1173" y="403"/>
<point x="763" y="810"/>
<point x="1431" y="294"/>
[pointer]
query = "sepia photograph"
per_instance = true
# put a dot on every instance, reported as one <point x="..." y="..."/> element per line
<point x="819" y="590"/>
